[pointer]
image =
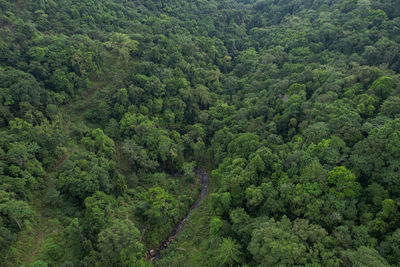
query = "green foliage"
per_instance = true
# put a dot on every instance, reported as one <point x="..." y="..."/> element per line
<point x="376" y="157"/>
<point x="228" y="253"/>
<point x="344" y="182"/>
<point x="119" y="243"/>
<point x="99" y="143"/>
<point x="107" y="107"/>
<point x="215" y="226"/>
<point x="382" y="87"/>
<point x="220" y="202"/>
<point x="122" y="44"/>
<point x="39" y="263"/>
<point x="98" y="208"/>
<point x="277" y="243"/>
<point x="363" y="256"/>
<point x="390" y="248"/>
<point x="390" y="107"/>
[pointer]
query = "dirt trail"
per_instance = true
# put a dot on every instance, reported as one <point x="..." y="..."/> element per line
<point x="154" y="254"/>
<point x="68" y="129"/>
<point x="55" y="168"/>
<point x="41" y="237"/>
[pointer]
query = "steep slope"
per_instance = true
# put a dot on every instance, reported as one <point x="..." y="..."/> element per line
<point x="108" y="106"/>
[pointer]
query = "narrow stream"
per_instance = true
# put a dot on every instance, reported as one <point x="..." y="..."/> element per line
<point x="154" y="254"/>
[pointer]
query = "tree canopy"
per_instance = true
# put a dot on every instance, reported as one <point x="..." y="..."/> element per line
<point x="292" y="108"/>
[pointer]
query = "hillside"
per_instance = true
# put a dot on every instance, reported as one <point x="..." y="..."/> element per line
<point x="292" y="108"/>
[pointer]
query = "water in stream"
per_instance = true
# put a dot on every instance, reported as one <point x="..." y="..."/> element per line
<point x="205" y="180"/>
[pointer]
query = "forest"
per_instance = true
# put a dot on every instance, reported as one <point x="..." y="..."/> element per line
<point x="291" y="107"/>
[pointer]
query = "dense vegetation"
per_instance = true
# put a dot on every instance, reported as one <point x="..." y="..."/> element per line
<point x="107" y="106"/>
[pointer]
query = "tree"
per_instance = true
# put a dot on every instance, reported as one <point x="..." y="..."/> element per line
<point x="315" y="133"/>
<point x="344" y="183"/>
<point x="382" y="87"/>
<point x="122" y="45"/>
<point x="365" y="105"/>
<point x="391" y="107"/>
<point x="330" y="152"/>
<point x="363" y="256"/>
<point x="17" y="87"/>
<point x="98" y="209"/>
<point x="244" y="145"/>
<point x="163" y="206"/>
<point x="220" y="202"/>
<point x="137" y="156"/>
<point x="273" y="243"/>
<point x="376" y="157"/>
<point x="228" y="253"/>
<point x="119" y="244"/>
<point x="100" y="143"/>
<point x="85" y="173"/>
<point x="390" y="247"/>
<point x="16" y="213"/>
<point x="38" y="263"/>
<point x="215" y="226"/>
